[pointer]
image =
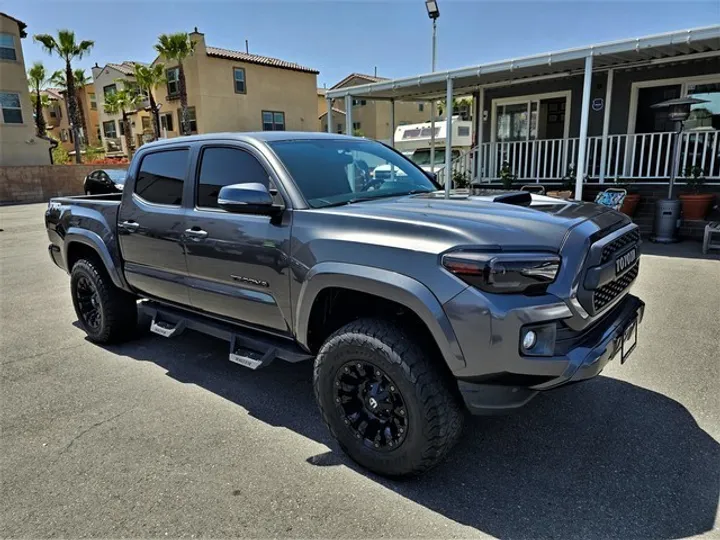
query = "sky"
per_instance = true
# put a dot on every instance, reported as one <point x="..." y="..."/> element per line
<point x="338" y="37"/>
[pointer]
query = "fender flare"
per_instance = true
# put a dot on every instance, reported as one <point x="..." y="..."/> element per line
<point x="77" y="235"/>
<point x="385" y="284"/>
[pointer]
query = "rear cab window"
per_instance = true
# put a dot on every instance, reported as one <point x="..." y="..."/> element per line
<point x="161" y="177"/>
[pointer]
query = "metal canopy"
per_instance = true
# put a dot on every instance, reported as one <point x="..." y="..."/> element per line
<point x="647" y="50"/>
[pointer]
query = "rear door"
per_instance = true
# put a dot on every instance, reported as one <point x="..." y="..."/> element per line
<point x="151" y="225"/>
<point x="238" y="263"/>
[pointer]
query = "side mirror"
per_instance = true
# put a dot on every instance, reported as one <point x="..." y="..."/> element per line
<point x="251" y="198"/>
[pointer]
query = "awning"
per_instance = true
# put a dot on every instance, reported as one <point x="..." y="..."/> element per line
<point x="660" y="48"/>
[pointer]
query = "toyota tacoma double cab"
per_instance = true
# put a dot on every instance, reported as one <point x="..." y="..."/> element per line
<point x="414" y="307"/>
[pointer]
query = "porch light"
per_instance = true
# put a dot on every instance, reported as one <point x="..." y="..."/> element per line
<point x="667" y="211"/>
<point x="432" y="9"/>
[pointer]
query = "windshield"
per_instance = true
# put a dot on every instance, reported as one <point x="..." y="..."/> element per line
<point x="117" y="175"/>
<point x="330" y="172"/>
<point x="422" y="157"/>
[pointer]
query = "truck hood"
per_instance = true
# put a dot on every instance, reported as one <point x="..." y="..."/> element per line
<point x="478" y="220"/>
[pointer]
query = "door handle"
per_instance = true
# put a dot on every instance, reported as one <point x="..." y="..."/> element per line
<point x="130" y="226"/>
<point x="196" y="233"/>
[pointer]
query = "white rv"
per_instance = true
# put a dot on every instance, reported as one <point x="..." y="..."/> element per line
<point x="413" y="141"/>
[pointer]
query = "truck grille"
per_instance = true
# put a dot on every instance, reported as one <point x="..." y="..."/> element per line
<point x="608" y="292"/>
<point x="627" y="239"/>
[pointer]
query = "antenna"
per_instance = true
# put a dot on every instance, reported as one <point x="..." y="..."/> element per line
<point x="247" y="47"/>
<point x="375" y="71"/>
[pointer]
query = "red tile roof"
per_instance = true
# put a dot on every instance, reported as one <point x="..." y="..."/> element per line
<point x="335" y="110"/>
<point x="368" y="78"/>
<point x="256" y="59"/>
<point x="126" y="68"/>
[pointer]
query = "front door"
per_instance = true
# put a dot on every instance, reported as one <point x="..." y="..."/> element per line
<point x="237" y="263"/>
<point x="151" y="227"/>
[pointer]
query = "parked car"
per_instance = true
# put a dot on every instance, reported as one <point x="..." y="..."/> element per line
<point x="104" y="181"/>
<point x="413" y="307"/>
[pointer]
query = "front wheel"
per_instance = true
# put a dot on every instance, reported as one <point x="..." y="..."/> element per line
<point x="107" y="314"/>
<point x="384" y="400"/>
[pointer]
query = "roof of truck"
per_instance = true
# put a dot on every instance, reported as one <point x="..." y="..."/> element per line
<point x="264" y="136"/>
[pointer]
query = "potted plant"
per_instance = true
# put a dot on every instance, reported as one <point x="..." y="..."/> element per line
<point x="506" y="175"/>
<point x="566" y="188"/>
<point x="632" y="199"/>
<point x="460" y="180"/>
<point x="695" y="205"/>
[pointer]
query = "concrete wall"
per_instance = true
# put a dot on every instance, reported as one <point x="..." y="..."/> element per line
<point x="211" y="90"/>
<point x="38" y="183"/>
<point x="18" y="143"/>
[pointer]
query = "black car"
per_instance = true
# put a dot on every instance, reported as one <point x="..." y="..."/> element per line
<point x="105" y="181"/>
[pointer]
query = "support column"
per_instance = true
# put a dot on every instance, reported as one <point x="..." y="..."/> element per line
<point x="584" y="114"/>
<point x="392" y="123"/>
<point x="448" y="136"/>
<point x="348" y="115"/>
<point x="329" y="115"/>
<point x="479" y="127"/>
<point x="606" y="124"/>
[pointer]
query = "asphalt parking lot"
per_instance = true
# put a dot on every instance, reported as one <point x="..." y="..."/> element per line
<point x="165" y="437"/>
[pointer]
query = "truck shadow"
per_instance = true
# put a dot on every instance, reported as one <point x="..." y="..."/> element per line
<point x="604" y="458"/>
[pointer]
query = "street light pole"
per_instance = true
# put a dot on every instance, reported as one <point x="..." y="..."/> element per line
<point x="432" y="103"/>
<point x="434" y="14"/>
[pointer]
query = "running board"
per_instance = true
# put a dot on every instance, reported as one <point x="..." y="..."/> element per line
<point x="248" y="348"/>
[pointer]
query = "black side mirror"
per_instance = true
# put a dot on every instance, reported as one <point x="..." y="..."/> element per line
<point x="251" y="198"/>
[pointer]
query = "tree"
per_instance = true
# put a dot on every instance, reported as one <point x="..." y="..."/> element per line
<point x="178" y="47"/>
<point x="81" y="80"/>
<point x="121" y="102"/>
<point x="37" y="76"/>
<point x="461" y="107"/>
<point x="147" y="78"/>
<point x="68" y="50"/>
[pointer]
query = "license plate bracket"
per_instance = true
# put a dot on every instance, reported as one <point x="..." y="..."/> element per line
<point x="628" y="340"/>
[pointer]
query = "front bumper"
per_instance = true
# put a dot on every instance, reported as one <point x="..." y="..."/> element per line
<point x="523" y="377"/>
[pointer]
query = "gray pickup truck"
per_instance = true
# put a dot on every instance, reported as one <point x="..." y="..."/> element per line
<point x="414" y="307"/>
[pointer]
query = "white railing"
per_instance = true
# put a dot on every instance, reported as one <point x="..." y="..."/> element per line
<point x="639" y="156"/>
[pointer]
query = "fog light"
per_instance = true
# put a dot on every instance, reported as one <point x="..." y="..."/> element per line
<point x="529" y="340"/>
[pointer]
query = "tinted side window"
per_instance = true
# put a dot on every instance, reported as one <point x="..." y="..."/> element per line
<point x="161" y="177"/>
<point x="225" y="166"/>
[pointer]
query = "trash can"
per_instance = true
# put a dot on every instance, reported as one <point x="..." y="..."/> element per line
<point x="667" y="221"/>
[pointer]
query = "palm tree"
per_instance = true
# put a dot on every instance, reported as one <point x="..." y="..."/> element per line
<point x="38" y="79"/>
<point x="81" y="80"/>
<point x="121" y="102"/>
<point x="68" y="49"/>
<point x="178" y="47"/>
<point x="147" y="78"/>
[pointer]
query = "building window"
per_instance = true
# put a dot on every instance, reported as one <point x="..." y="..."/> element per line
<point x="97" y="129"/>
<point x="122" y="128"/>
<point x="53" y="112"/>
<point x="273" y="121"/>
<point x="145" y="123"/>
<point x="192" y="119"/>
<point x="109" y="90"/>
<point x="109" y="129"/>
<point x="166" y="122"/>
<point x="7" y="47"/>
<point x="11" y="109"/>
<point x="357" y="126"/>
<point x="173" y="81"/>
<point x="93" y="101"/>
<point x="339" y="128"/>
<point x="359" y="102"/>
<point x="239" y="77"/>
<point x="421" y="107"/>
<point x="63" y="135"/>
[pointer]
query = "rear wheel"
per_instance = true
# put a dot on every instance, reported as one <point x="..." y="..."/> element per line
<point x="383" y="399"/>
<point x="106" y="313"/>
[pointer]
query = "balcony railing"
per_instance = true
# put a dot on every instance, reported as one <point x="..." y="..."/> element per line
<point x="642" y="156"/>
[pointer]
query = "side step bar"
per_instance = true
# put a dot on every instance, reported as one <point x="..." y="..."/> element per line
<point x="247" y="348"/>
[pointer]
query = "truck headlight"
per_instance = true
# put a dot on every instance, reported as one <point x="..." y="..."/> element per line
<point x="504" y="273"/>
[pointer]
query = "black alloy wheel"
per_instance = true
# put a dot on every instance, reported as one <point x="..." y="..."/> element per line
<point x="371" y="405"/>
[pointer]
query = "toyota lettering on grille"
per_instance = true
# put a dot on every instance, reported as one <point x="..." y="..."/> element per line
<point x="625" y="261"/>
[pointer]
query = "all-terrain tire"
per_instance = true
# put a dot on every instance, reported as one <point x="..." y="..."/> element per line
<point x="117" y="309"/>
<point x="434" y="415"/>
